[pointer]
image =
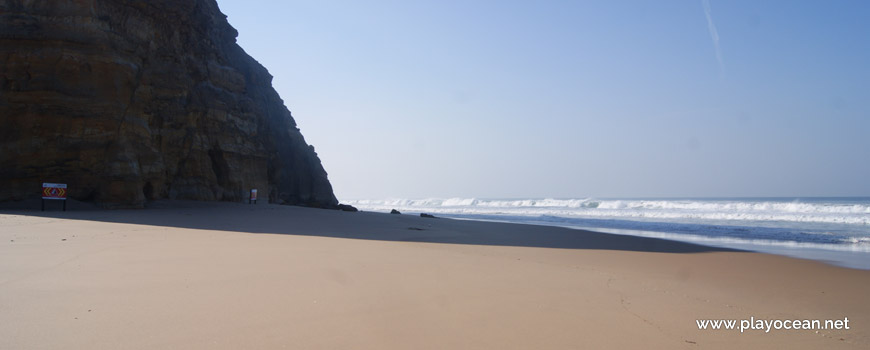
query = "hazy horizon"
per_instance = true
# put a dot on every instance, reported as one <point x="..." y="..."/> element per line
<point x="629" y="99"/>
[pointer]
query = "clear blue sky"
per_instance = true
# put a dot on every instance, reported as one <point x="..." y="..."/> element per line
<point x="505" y="99"/>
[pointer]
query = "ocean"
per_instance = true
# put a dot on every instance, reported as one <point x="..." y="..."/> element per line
<point x="834" y="230"/>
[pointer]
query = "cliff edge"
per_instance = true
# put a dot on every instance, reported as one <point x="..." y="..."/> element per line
<point x="129" y="101"/>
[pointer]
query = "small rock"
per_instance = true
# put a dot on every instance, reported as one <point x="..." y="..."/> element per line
<point x="347" y="207"/>
<point x="63" y="239"/>
<point x="394" y="211"/>
<point x="424" y="215"/>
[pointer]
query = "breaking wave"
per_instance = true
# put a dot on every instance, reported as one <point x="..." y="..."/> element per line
<point x="829" y="229"/>
<point x="833" y="212"/>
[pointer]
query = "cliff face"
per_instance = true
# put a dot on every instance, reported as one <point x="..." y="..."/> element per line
<point x="128" y="101"/>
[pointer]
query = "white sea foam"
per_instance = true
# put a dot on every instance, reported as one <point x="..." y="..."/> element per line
<point x="825" y="229"/>
<point x="727" y="210"/>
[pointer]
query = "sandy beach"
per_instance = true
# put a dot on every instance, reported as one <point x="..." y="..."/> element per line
<point x="190" y="275"/>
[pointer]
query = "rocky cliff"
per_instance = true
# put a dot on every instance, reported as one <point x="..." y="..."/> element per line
<point x="128" y="101"/>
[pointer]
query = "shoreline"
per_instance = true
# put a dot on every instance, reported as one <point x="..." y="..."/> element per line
<point x="227" y="275"/>
<point x="808" y="251"/>
<point x="830" y="252"/>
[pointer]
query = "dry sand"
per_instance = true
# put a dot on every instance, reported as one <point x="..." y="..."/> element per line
<point x="184" y="275"/>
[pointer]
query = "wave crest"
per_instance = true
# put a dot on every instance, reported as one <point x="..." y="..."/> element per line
<point x="727" y="210"/>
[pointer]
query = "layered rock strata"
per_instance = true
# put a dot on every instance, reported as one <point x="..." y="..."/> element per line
<point x="130" y="101"/>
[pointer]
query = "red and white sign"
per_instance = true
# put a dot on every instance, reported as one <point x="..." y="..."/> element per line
<point x="53" y="191"/>
<point x="254" y="194"/>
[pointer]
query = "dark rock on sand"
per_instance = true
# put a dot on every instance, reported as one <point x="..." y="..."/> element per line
<point x="394" y="211"/>
<point x="347" y="207"/>
<point x="129" y="101"/>
<point x="424" y="215"/>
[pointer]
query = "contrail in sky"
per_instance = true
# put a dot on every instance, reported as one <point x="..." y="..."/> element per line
<point x="714" y="35"/>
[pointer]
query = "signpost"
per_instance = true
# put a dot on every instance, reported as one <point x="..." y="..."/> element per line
<point x="53" y="191"/>
<point x="253" y="196"/>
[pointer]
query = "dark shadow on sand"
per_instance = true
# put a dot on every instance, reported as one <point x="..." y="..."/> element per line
<point x="260" y="219"/>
